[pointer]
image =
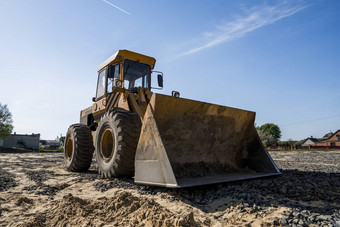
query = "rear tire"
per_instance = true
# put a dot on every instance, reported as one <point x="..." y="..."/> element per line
<point x="78" y="148"/>
<point x="116" y="143"/>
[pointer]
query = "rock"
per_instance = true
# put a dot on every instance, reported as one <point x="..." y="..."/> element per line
<point x="243" y="195"/>
<point x="275" y="223"/>
<point x="284" y="220"/>
<point x="252" y="210"/>
<point x="323" y="217"/>
<point x="310" y="218"/>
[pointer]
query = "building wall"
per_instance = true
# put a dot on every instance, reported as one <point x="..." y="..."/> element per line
<point x="321" y="143"/>
<point x="23" y="141"/>
<point x="335" y="144"/>
<point x="50" y="144"/>
<point x="308" y="142"/>
<point x="333" y="141"/>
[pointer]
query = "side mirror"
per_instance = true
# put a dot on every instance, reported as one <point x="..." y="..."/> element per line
<point x="160" y="80"/>
<point x="156" y="84"/>
<point x="93" y="99"/>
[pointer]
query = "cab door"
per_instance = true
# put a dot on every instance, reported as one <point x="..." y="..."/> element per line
<point x="112" y="98"/>
<point x="98" y="107"/>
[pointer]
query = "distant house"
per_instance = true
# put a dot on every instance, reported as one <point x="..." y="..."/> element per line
<point x="50" y="144"/>
<point x="22" y="141"/>
<point x="327" y="136"/>
<point x="329" y="140"/>
<point x="309" y="142"/>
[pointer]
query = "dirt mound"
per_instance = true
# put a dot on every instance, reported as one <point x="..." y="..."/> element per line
<point x="123" y="209"/>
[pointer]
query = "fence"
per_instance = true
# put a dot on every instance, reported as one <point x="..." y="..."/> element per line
<point x="296" y="147"/>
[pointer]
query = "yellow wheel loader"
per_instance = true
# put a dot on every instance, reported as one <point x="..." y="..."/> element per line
<point x="158" y="139"/>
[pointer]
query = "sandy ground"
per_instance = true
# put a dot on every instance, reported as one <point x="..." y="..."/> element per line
<point x="36" y="190"/>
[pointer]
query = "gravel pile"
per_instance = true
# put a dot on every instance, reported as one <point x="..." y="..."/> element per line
<point x="289" y="190"/>
<point x="39" y="176"/>
<point x="124" y="183"/>
<point x="40" y="188"/>
<point x="43" y="189"/>
<point x="298" y="216"/>
<point x="7" y="180"/>
<point x="88" y="176"/>
<point x="311" y="192"/>
<point x="308" y="161"/>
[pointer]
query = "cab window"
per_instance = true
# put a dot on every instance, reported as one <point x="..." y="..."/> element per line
<point x="101" y="84"/>
<point x="136" y="75"/>
<point x="112" y="77"/>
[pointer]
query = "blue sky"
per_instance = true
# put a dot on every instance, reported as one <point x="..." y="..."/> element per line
<point x="280" y="59"/>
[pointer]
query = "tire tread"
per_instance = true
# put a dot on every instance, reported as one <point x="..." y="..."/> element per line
<point x="83" y="148"/>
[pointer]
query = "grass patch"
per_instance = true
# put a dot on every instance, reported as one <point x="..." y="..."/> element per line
<point x="305" y="149"/>
<point x="50" y="150"/>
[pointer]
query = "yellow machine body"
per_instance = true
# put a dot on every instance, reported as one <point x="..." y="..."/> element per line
<point x="183" y="142"/>
<point x="187" y="143"/>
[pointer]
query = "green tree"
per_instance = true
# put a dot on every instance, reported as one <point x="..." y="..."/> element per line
<point x="61" y="139"/>
<point x="6" y="121"/>
<point x="272" y="129"/>
<point x="267" y="139"/>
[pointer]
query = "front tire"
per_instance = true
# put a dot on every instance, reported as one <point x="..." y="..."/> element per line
<point x="78" y="148"/>
<point x="116" y="143"/>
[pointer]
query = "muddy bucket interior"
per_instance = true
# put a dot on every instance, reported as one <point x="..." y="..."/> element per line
<point x="186" y="143"/>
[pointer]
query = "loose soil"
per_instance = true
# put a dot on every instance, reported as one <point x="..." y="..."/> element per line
<point x="36" y="190"/>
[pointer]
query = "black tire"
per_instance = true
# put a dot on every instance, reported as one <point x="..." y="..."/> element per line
<point x="78" y="148"/>
<point x="116" y="143"/>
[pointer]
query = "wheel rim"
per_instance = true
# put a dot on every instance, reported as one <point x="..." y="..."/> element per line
<point x="69" y="148"/>
<point x="107" y="145"/>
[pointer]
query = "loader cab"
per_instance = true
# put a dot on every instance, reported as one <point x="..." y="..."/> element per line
<point x="126" y="70"/>
<point x="134" y="73"/>
<point x="108" y="78"/>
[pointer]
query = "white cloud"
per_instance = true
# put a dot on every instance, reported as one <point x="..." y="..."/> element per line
<point x="254" y="19"/>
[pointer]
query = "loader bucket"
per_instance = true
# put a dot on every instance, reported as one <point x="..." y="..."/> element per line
<point x="186" y="143"/>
